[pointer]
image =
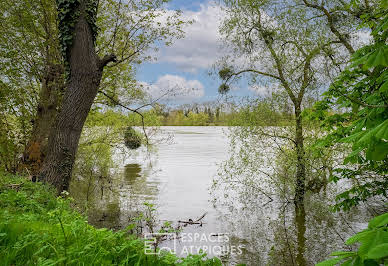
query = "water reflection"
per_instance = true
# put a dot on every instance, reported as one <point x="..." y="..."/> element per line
<point x="178" y="184"/>
<point x="138" y="184"/>
<point x="255" y="197"/>
<point x="113" y="202"/>
<point x="131" y="172"/>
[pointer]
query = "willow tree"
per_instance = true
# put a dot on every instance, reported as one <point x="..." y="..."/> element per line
<point x="287" y="49"/>
<point x="137" y="25"/>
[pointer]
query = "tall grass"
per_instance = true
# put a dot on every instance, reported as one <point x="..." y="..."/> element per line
<point x="37" y="228"/>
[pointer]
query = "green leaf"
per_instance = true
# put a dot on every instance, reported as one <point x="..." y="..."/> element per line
<point x="347" y="263"/>
<point x="378" y="57"/>
<point x="343" y="253"/>
<point x="370" y="263"/>
<point x="377" y="152"/>
<point x="378" y="221"/>
<point x="353" y="138"/>
<point x="379" y="132"/>
<point x="357" y="262"/>
<point x="352" y="156"/>
<point x="330" y="262"/>
<point x="384" y="4"/>
<point x="382" y="27"/>
<point x="379" y="252"/>
<point x="382" y="130"/>
<point x="369" y="242"/>
<point x="384" y="87"/>
<point x="358" y="237"/>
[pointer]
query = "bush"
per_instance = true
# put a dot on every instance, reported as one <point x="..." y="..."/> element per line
<point x="132" y="139"/>
<point x="36" y="228"/>
<point x="373" y="248"/>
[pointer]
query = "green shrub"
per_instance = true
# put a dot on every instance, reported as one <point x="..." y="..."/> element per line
<point x="373" y="248"/>
<point x="132" y="139"/>
<point x="36" y="228"/>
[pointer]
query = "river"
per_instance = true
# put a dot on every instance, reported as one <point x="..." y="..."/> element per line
<point x="176" y="177"/>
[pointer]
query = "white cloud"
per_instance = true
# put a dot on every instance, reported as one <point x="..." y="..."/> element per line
<point x="361" y="38"/>
<point x="264" y="89"/>
<point x="172" y="87"/>
<point x="259" y="90"/>
<point x="200" y="47"/>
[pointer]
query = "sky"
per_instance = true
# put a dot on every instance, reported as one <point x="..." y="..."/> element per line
<point x="187" y="62"/>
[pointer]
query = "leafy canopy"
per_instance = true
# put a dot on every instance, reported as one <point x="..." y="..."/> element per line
<point x="355" y="111"/>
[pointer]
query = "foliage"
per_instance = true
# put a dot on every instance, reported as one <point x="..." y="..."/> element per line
<point x="30" y="42"/>
<point x="101" y="138"/>
<point x="68" y="13"/>
<point x="26" y="45"/>
<point x="260" y="113"/>
<point x="37" y="228"/>
<point x="12" y="136"/>
<point x="281" y="45"/>
<point x="150" y="118"/>
<point x="224" y="88"/>
<point x="128" y="29"/>
<point x="373" y="249"/>
<point x="225" y="73"/>
<point x="360" y="117"/>
<point x="132" y="139"/>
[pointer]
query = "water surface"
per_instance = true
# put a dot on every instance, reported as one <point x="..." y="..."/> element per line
<point x="176" y="177"/>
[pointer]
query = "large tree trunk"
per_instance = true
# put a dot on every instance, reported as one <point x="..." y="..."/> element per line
<point x="49" y="102"/>
<point x="300" y="188"/>
<point x="85" y="75"/>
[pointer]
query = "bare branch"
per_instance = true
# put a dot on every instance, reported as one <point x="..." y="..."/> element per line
<point x="129" y="109"/>
<point x="333" y="29"/>
<point x="252" y="71"/>
<point x="307" y="66"/>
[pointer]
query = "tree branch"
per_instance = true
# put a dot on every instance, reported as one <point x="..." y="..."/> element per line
<point x="306" y="69"/>
<point x="106" y="60"/>
<point x="129" y="109"/>
<point x="279" y="66"/>
<point x="253" y="71"/>
<point x="333" y="29"/>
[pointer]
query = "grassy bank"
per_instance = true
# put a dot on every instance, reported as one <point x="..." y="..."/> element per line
<point x="37" y="228"/>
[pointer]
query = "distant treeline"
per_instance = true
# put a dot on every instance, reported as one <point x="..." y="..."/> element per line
<point x="259" y="113"/>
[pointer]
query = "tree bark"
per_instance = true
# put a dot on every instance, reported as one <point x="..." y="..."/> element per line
<point x="49" y="102"/>
<point x="300" y="188"/>
<point x="85" y="76"/>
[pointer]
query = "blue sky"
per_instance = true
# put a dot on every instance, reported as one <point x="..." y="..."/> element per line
<point x="186" y="5"/>
<point x="187" y="62"/>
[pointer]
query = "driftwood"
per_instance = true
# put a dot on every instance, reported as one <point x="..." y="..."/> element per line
<point x="191" y="221"/>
